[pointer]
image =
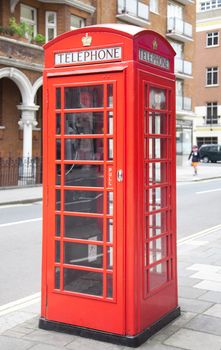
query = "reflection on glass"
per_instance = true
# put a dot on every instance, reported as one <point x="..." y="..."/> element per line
<point x="110" y="230"/>
<point x="57" y="277"/>
<point x="58" y="174"/>
<point x="84" y="96"/>
<point x="110" y="95"/>
<point x="158" y="275"/>
<point x="89" y="255"/>
<point x="157" y="148"/>
<point x="57" y="225"/>
<point x="110" y="258"/>
<point x="157" y="123"/>
<point x="157" y="173"/>
<point x="84" y="123"/>
<point x="82" y="227"/>
<point x="157" y="198"/>
<point x="83" y="201"/>
<point x="85" y="282"/>
<point x="84" y="175"/>
<point x="110" y="123"/>
<point x="110" y="203"/>
<point x="58" y="98"/>
<point x="157" y="98"/>
<point x="84" y="149"/>
<point x="109" y="286"/>
<point x="58" y="200"/>
<point x="58" y="124"/>
<point x="57" y="251"/>
<point x="158" y="249"/>
<point x="157" y="224"/>
<point x="58" y="149"/>
<point x="110" y="149"/>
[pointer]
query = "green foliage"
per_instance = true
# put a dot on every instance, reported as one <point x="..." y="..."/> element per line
<point x="22" y="29"/>
<point x="39" y="39"/>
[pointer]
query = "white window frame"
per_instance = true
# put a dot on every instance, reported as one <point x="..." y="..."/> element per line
<point x="210" y="5"/>
<point x="28" y="21"/>
<point x="154" y="6"/>
<point x="212" y="36"/>
<point x="50" y="25"/>
<point x="212" y="109"/>
<point x="82" y="21"/>
<point x="212" y="71"/>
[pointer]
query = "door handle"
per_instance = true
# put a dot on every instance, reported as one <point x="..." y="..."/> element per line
<point x="120" y="175"/>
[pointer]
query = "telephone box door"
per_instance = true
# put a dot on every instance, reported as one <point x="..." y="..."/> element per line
<point x="83" y="216"/>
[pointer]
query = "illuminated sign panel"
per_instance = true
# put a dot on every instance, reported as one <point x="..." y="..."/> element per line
<point x="87" y="56"/>
<point x="154" y="59"/>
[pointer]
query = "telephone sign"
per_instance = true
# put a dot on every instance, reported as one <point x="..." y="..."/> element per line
<point x="109" y="221"/>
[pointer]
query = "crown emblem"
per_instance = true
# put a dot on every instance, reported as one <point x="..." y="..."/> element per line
<point x="155" y="44"/>
<point x="86" y="40"/>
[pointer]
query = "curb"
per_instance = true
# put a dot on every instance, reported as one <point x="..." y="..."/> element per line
<point x="22" y="201"/>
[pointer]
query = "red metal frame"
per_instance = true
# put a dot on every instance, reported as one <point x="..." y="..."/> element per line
<point x="144" y="278"/>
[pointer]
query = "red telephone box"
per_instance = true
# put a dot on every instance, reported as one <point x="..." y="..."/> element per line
<point x="109" y="225"/>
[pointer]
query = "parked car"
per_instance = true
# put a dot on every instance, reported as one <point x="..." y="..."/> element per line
<point x="210" y="153"/>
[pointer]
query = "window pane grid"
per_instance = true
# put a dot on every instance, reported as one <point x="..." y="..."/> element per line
<point x="97" y="250"/>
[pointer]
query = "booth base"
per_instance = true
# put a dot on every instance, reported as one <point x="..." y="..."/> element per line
<point x="131" y="341"/>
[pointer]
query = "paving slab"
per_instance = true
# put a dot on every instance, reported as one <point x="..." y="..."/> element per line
<point x="193" y="340"/>
<point x="214" y="297"/>
<point x="49" y="337"/>
<point x="214" y="310"/>
<point x="206" y="324"/>
<point x="7" y="343"/>
<point x="194" y="305"/>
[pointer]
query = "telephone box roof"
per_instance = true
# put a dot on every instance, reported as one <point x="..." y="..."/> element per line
<point x="122" y="29"/>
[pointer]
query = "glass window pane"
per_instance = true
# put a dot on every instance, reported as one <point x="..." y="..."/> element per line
<point x="110" y="95"/>
<point x="58" y="149"/>
<point x="84" y="97"/>
<point x="157" y="198"/>
<point x="157" y="173"/>
<point x="157" y="148"/>
<point x="58" y="174"/>
<point x="157" y="224"/>
<point x="85" y="282"/>
<point x="58" y="98"/>
<point x="58" y="124"/>
<point x="58" y="200"/>
<point x="84" y="149"/>
<point x="158" y="249"/>
<point x="84" y="123"/>
<point x="109" y="286"/>
<point x="110" y="231"/>
<point x="51" y="17"/>
<point x="158" y="275"/>
<point x="110" y="203"/>
<point x="57" y="225"/>
<point x="83" y="201"/>
<point x="82" y="227"/>
<point x="110" y="258"/>
<point x="89" y="255"/>
<point x="84" y="175"/>
<point x="57" y="251"/>
<point x="57" y="277"/>
<point x="157" y="98"/>
<point x="110" y="123"/>
<point x="157" y="123"/>
<point x="110" y="149"/>
<point x="51" y="33"/>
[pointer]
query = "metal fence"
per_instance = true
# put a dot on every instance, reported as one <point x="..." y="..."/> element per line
<point x="20" y="171"/>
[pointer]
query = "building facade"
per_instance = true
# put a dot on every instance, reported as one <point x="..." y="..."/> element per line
<point x="21" y="58"/>
<point x="207" y="125"/>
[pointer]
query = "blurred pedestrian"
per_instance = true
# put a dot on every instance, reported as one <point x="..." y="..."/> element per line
<point x="195" y="158"/>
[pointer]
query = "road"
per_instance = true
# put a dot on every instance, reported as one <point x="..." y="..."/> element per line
<point x="198" y="208"/>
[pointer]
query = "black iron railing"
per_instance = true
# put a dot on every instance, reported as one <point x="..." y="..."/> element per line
<point x="20" y="171"/>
